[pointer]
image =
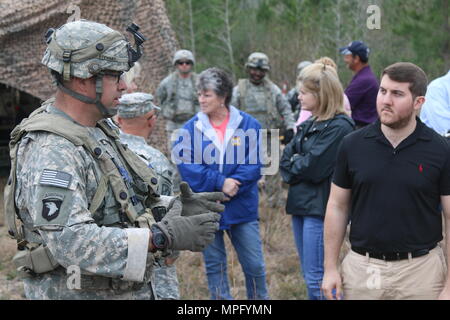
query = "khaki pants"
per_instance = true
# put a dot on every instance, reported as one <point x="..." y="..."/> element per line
<point x="420" y="278"/>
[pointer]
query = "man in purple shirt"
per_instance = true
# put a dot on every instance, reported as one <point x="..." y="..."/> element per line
<point x="363" y="89"/>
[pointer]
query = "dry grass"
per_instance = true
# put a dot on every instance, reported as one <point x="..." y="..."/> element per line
<point x="280" y="255"/>
<point x="10" y="286"/>
<point x="282" y="264"/>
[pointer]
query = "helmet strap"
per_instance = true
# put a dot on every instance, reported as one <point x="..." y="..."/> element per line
<point x="97" y="101"/>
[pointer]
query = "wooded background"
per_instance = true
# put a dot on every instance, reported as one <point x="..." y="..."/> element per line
<point x="224" y="32"/>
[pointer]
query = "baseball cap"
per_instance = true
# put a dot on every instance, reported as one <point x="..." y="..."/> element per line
<point x="135" y="104"/>
<point x="358" y="48"/>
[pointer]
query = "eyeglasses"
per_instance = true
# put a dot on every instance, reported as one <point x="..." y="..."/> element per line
<point x="184" y="62"/>
<point x="114" y="74"/>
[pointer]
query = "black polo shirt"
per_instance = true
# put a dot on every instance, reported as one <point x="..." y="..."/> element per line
<point x="395" y="191"/>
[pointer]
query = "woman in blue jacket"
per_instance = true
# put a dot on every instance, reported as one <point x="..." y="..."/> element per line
<point x="307" y="165"/>
<point x="218" y="150"/>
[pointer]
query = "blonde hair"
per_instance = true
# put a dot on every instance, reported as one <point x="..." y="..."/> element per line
<point x="327" y="61"/>
<point x="133" y="73"/>
<point x="322" y="81"/>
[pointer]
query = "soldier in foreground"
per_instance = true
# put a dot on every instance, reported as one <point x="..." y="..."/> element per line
<point x="262" y="99"/>
<point x="137" y="117"/>
<point x="177" y="97"/>
<point x="86" y="202"/>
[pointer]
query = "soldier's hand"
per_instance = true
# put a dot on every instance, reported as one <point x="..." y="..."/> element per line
<point x="193" y="233"/>
<point x="196" y="203"/>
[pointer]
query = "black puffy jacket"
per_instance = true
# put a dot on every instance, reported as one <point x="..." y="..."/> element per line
<point x="308" y="162"/>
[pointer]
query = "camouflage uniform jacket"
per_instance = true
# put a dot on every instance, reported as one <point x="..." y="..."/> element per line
<point x="165" y="277"/>
<point x="177" y="97"/>
<point x="56" y="182"/>
<point x="256" y="104"/>
<point x="154" y="158"/>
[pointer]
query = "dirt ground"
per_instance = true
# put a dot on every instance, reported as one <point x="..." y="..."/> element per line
<point x="11" y="287"/>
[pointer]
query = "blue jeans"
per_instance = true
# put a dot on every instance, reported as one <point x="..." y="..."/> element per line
<point x="308" y="235"/>
<point x="246" y="241"/>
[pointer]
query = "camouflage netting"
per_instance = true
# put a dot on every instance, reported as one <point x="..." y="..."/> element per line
<point x="23" y="24"/>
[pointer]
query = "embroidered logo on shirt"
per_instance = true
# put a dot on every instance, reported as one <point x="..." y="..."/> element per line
<point x="236" y="141"/>
<point x="55" y="178"/>
<point x="51" y="208"/>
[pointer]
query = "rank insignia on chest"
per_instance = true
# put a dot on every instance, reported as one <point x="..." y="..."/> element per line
<point x="51" y="208"/>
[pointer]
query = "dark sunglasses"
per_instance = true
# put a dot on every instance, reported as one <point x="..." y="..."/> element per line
<point x="184" y="62"/>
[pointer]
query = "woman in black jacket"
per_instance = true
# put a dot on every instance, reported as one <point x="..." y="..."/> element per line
<point x="307" y="166"/>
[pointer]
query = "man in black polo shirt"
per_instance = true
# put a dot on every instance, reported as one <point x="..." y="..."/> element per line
<point x="389" y="180"/>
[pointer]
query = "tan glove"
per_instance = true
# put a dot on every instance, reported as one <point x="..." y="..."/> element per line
<point x="195" y="203"/>
<point x="193" y="233"/>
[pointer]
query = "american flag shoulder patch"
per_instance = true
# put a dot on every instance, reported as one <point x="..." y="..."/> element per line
<point x="55" y="178"/>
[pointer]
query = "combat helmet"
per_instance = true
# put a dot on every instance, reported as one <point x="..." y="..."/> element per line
<point x="183" y="55"/>
<point x="302" y="65"/>
<point x="258" y="60"/>
<point x="85" y="49"/>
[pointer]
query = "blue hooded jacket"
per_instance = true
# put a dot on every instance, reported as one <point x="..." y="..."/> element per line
<point x="204" y="163"/>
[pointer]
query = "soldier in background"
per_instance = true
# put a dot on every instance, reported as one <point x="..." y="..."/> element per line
<point x="177" y="97"/>
<point x="86" y="203"/>
<point x="137" y="117"/>
<point x="292" y="95"/>
<point x="131" y="77"/>
<point x="261" y="98"/>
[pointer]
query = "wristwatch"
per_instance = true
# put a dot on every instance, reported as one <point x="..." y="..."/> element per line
<point x="159" y="239"/>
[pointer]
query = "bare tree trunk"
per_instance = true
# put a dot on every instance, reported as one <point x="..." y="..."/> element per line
<point x="446" y="27"/>
<point x="338" y="30"/>
<point x="191" y="27"/>
<point x="229" y="44"/>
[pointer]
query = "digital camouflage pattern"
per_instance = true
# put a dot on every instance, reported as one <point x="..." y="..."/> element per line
<point x="165" y="277"/>
<point x="302" y="65"/>
<point x="154" y="159"/>
<point x="258" y="60"/>
<point x="80" y="34"/>
<point x="135" y="104"/>
<point x="179" y="102"/>
<point x="96" y="242"/>
<point x="269" y="106"/>
<point x="256" y="104"/>
<point x="178" y="99"/>
<point x="166" y="282"/>
<point x="183" y="55"/>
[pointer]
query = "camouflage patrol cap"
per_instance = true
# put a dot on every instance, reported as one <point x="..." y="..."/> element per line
<point x="136" y="104"/>
<point x="302" y="65"/>
<point x="258" y="60"/>
<point x="84" y="48"/>
<point x="183" y="55"/>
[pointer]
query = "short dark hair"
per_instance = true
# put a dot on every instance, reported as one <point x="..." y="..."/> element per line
<point x="363" y="59"/>
<point x="217" y="80"/>
<point x="410" y="73"/>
